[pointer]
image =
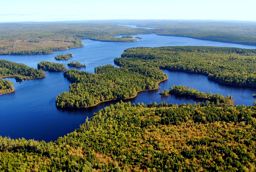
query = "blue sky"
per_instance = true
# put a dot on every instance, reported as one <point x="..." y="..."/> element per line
<point x="59" y="10"/>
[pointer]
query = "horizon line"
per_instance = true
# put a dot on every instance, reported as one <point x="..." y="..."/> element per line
<point x="95" y="20"/>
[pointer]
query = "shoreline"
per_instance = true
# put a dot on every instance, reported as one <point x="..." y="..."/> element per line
<point x="16" y="77"/>
<point x="113" y="100"/>
<point x="6" y="87"/>
<point x="213" y="40"/>
<point x="168" y="69"/>
<point x="51" y="51"/>
<point x="210" y="78"/>
<point x="10" y="91"/>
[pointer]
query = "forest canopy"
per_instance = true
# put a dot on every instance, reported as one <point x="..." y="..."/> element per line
<point x="123" y="137"/>
<point x="227" y="66"/>
<point x="18" y="71"/>
<point x="63" y="57"/>
<point x="186" y="92"/>
<point x="6" y="87"/>
<point x="76" y="64"/>
<point x="140" y="70"/>
<point x="107" y="84"/>
<point x="51" y="66"/>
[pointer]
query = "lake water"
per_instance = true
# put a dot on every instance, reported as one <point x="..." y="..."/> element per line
<point x="31" y="112"/>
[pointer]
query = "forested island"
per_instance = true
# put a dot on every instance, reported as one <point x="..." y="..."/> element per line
<point x="63" y="57"/>
<point x="18" y="71"/>
<point x="107" y="84"/>
<point x="123" y="137"/>
<point x="140" y="70"/>
<point x="114" y="38"/>
<point x="51" y="66"/>
<point x="76" y="64"/>
<point x="165" y="93"/>
<point x="185" y="92"/>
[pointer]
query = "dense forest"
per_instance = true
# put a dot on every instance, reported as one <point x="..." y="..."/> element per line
<point x="107" y="84"/>
<point x="51" y="66"/>
<point x="76" y="64"/>
<point x="227" y="66"/>
<point x="18" y="71"/>
<point x="126" y="137"/>
<point x="140" y="70"/>
<point x="123" y="137"/>
<point x="182" y="91"/>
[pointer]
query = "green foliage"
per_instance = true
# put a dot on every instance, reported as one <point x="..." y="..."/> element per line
<point x="108" y="84"/>
<point x="6" y="87"/>
<point x="18" y="71"/>
<point x="51" y="67"/>
<point x="227" y="66"/>
<point x="154" y="138"/>
<point x="182" y="91"/>
<point x="75" y="64"/>
<point x="165" y="93"/>
<point x="123" y="137"/>
<point x="64" y="57"/>
<point x="140" y="70"/>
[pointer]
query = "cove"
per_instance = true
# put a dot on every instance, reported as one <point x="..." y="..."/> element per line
<point x="240" y="96"/>
<point x="31" y="112"/>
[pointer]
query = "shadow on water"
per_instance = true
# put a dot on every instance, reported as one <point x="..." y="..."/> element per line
<point x="31" y="112"/>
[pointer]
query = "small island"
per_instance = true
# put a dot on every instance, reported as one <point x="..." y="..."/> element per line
<point x="6" y="87"/>
<point x="51" y="67"/>
<point x="63" y="57"/>
<point x="129" y="38"/>
<point x="107" y="84"/>
<point x="76" y="64"/>
<point x="165" y="93"/>
<point x="182" y="91"/>
<point x="19" y="72"/>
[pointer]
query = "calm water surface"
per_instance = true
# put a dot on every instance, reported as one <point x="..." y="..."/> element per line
<point x="31" y="112"/>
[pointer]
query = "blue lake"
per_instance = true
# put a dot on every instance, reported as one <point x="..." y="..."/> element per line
<point x="31" y="112"/>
